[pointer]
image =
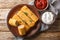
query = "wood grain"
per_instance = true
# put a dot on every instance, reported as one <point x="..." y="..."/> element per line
<point x="49" y="36"/>
<point x="3" y="17"/>
<point x="6" y="36"/>
<point x="12" y="3"/>
<point x="42" y="36"/>
<point x="4" y="13"/>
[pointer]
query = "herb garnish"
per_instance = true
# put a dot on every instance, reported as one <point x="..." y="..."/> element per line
<point x="17" y="23"/>
<point x="25" y="13"/>
<point x="24" y="21"/>
<point x="30" y="20"/>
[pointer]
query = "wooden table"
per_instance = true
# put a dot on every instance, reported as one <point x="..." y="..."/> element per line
<point x="53" y="33"/>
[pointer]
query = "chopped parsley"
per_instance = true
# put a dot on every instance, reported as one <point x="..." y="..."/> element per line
<point x="24" y="21"/>
<point x="25" y="13"/>
<point x="17" y="23"/>
<point x="30" y="20"/>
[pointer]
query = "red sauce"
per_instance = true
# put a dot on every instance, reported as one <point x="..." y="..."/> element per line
<point x="41" y="4"/>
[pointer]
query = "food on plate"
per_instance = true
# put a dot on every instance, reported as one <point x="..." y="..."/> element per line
<point x="17" y="19"/>
<point x="21" y="30"/>
<point x="41" y="4"/>
<point x="47" y="17"/>
<point x="29" y="13"/>
<point x="20" y="21"/>
<point x="24" y="19"/>
<point x="12" y="22"/>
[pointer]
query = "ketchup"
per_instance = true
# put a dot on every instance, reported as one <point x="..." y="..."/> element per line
<point x="41" y="4"/>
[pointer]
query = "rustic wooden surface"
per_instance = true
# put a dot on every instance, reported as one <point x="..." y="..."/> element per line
<point x="53" y="33"/>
